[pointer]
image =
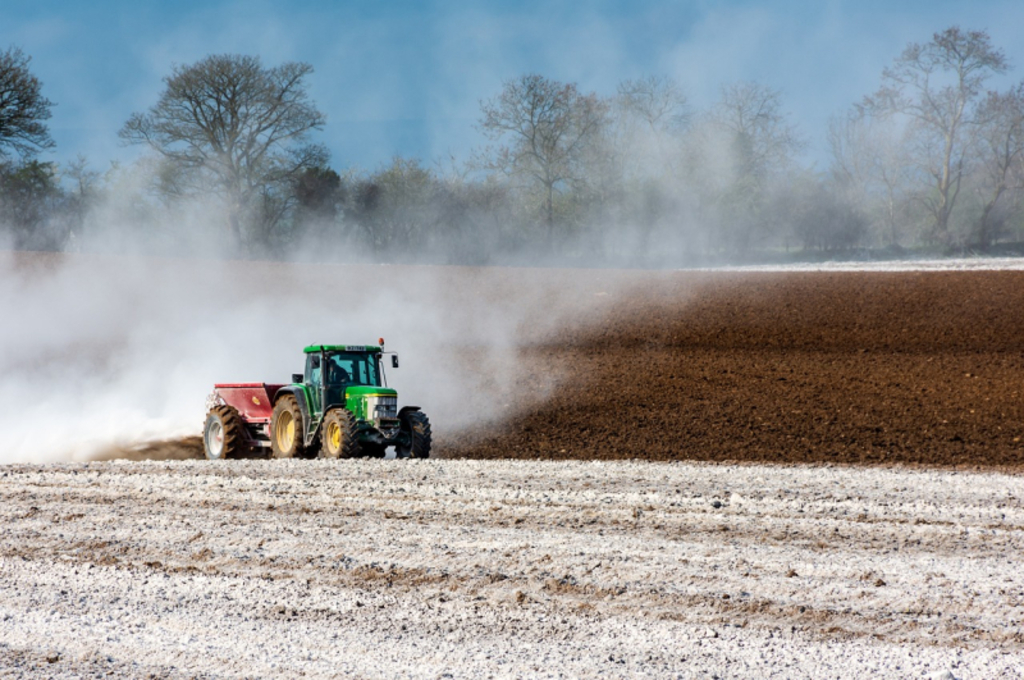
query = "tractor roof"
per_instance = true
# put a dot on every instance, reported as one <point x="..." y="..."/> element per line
<point x="342" y="348"/>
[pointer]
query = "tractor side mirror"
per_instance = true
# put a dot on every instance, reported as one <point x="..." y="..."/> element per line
<point x="394" y="361"/>
<point x="296" y="377"/>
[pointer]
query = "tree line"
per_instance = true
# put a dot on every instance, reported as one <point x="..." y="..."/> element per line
<point x="932" y="161"/>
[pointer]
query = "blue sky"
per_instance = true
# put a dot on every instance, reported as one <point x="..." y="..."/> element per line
<point x="406" y="78"/>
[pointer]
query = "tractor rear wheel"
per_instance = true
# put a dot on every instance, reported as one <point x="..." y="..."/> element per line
<point x="224" y="434"/>
<point x="338" y="435"/>
<point x="416" y="427"/>
<point x="286" y="429"/>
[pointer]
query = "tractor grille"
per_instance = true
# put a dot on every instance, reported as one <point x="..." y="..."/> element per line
<point x="382" y="407"/>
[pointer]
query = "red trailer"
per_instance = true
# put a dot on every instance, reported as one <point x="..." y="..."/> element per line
<point x="242" y="412"/>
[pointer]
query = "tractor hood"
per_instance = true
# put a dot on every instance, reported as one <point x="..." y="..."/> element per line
<point x="372" y="403"/>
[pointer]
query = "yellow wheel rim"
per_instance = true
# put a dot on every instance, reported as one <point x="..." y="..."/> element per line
<point x="285" y="431"/>
<point x="334" y="437"/>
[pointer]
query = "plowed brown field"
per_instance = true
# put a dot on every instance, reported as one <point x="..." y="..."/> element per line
<point x="846" y="367"/>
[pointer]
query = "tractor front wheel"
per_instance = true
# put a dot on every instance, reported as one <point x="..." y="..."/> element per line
<point x="223" y="434"/>
<point x="338" y="435"/>
<point x="286" y="440"/>
<point x="416" y="431"/>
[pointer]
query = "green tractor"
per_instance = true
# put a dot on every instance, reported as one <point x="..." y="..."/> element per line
<point x="339" y="407"/>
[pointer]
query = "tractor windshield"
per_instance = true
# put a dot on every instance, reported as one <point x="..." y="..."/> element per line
<point x="352" y="368"/>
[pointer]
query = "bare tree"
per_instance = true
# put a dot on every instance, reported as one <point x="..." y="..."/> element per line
<point x="936" y="86"/>
<point x="870" y="167"/>
<point x="762" y="139"/>
<point x="657" y="101"/>
<point x="633" y="166"/>
<point x="547" y="127"/>
<point x="22" y="106"/>
<point x="650" y="115"/>
<point x="1001" y="146"/>
<point x="744" y="144"/>
<point x="227" y="124"/>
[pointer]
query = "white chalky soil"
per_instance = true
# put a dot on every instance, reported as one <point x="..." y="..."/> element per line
<point x="475" y="569"/>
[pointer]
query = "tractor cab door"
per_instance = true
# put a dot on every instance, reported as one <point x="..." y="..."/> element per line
<point x="338" y="374"/>
<point x="314" y="381"/>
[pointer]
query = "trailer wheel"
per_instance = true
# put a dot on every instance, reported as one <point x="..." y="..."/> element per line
<point x="223" y="434"/>
<point x="286" y="438"/>
<point x="416" y="428"/>
<point x="338" y="435"/>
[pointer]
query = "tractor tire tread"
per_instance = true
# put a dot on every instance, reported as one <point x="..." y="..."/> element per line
<point x="349" y="443"/>
<point x="236" y="444"/>
<point x="418" y="425"/>
<point x="287" y="402"/>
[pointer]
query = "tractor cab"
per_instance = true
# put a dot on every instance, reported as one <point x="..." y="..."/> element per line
<point x="330" y="373"/>
<point x="349" y="376"/>
<point x="337" y="368"/>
